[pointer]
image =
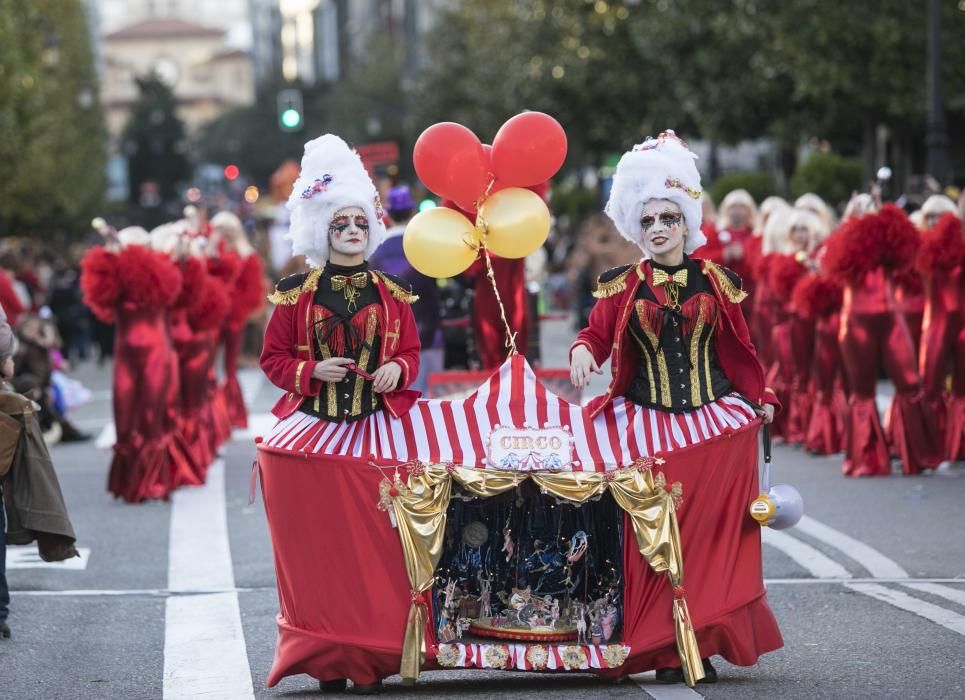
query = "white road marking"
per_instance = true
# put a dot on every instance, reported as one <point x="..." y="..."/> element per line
<point x="929" y="611"/>
<point x="882" y="568"/>
<point x="877" y="564"/>
<point x="258" y="426"/>
<point x="204" y="644"/>
<point x="27" y="557"/>
<point x="252" y="379"/>
<point x="815" y="561"/>
<point x="660" y="691"/>
<point x="107" y="437"/>
<point x="952" y="594"/>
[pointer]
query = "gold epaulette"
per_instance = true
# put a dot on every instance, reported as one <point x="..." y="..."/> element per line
<point x="733" y="293"/>
<point x="290" y="296"/>
<point x="396" y="290"/>
<point x="614" y="286"/>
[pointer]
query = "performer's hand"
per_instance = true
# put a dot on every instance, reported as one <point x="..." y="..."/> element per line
<point x="582" y="365"/>
<point x="332" y="369"/>
<point x="766" y="412"/>
<point x="386" y="377"/>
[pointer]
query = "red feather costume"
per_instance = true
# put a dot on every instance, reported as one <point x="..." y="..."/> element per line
<point x="940" y="261"/>
<point x="224" y="269"/>
<point x="817" y="299"/>
<point x="188" y="406"/>
<point x="134" y="289"/>
<point x="247" y="297"/>
<point x="207" y="318"/>
<point x="865" y="254"/>
<point x="791" y="342"/>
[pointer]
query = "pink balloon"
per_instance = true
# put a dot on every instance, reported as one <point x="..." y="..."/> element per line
<point x="528" y="149"/>
<point x="451" y="162"/>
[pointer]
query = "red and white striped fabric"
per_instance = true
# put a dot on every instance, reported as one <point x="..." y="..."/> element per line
<point x="440" y="431"/>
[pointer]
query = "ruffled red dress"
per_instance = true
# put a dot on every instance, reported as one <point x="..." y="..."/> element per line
<point x="247" y="297"/>
<point x="134" y="289"/>
<point x="791" y="342"/>
<point x="940" y="262"/>
<point x="865" y="254"/>
<point x="224" y="270"/>
<point x="817" y="299"/>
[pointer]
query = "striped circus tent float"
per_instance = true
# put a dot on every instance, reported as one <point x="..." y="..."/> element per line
<point x="458" y="431"/>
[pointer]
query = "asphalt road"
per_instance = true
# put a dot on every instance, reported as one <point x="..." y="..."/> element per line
<point x="869" y="591"/>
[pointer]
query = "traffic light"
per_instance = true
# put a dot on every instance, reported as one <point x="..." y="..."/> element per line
<point x="290" y="114"/>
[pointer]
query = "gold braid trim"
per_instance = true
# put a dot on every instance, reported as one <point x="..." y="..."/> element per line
<point x="298" y="377"/>
<point x="397" y="291"/>
<point x="289" y="298"/>
<point x="733" y="294"/>
<point x="614" y="286"/>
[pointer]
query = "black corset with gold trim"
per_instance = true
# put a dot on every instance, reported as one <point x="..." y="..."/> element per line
<point x="677" y="368"/>
<point x="358" y="338"/>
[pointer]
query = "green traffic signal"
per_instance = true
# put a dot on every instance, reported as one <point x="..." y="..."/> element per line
<point x="291" y="118"/>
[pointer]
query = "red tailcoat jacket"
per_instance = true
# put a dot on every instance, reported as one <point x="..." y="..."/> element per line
<point x="608" y="323"/>
<point x="288" y="355"/>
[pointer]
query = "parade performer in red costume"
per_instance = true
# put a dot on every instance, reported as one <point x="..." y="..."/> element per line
<point x="342" y="340"/>
<point x="127" y="283"/>
<point x="729" y="240"/>
<point x="674" y="332"/>
<point x="817" y="300"/>
<point x="247" y="292"/>
<point x="865" y="254"/>
<point x="793" y="332"/>
<point x="940" y="262"/>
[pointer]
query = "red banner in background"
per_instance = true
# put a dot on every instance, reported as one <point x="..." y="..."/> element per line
<point x="380" y="153"/>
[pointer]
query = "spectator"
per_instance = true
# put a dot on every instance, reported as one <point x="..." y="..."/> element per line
<point x="31" y="503"/>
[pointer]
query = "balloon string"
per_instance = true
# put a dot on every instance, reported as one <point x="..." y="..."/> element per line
<point x="510" y="343"/>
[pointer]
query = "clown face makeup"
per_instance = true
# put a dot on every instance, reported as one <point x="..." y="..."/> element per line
<point x="663" y="231"/>
<point x="348" y="232"/>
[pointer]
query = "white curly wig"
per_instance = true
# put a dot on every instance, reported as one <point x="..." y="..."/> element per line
<point x="332" y="178"/>
<point x="658" y="168"/>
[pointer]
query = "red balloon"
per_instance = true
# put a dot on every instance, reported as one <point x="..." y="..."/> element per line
<point x="450" y="162"/>
<point x="528" y="149"/>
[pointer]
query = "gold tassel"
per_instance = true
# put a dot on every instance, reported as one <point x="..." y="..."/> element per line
<point x="730" y="291"/>
<point x="414" y="644"/>
<point x="395" y="290"/>
<point x="614" y="286"/>
<point x="289" y="298"/>
<point x="687" y="648"/>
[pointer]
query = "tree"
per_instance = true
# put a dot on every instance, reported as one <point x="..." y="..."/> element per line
<point x="154" y="141"/>
<point x="573" y="59"/>
<point x="724" y="70"/>
<point x="52" y="138"/>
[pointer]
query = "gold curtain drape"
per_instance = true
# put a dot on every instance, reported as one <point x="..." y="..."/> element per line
<point x="420" y="509"/>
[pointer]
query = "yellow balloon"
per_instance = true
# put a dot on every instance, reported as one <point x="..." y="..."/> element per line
<point x="517" y="222"/>
<point x="440" y="242"/>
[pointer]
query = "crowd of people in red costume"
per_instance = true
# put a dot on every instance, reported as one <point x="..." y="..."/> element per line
<point x="836" y="306"/>
<point x="180" y="297"/>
